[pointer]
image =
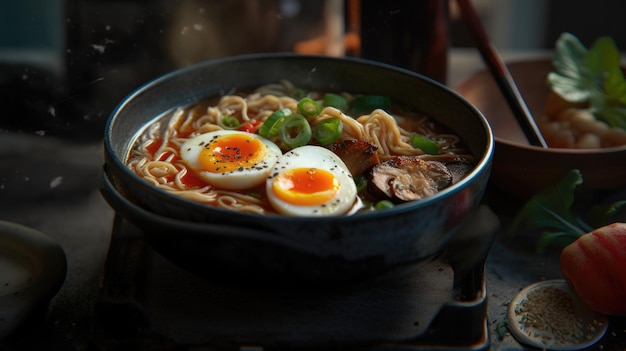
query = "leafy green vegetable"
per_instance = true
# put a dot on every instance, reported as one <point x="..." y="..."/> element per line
<point x="592" y="76"/>
<point x="421" y="142"/>
<point x="550" y="209"/>
<point x="368" y="103"/>
<point x="551" y="212"/>
<point x="383" y="205"/>
<point x="600" y="215"/>
<point x="337" y="101"/>
<point x="502" y="329"/>
<point x="298" y="93"/>
<point x="361" y="183"/>
<point x="570" y="77"/>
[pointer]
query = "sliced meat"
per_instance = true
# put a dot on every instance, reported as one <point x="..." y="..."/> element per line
<point x="407" y="178"/>
<point x="359" y="156"/>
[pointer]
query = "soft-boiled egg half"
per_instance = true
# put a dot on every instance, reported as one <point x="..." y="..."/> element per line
<point x="230" y="159"/>
<point x="311" y="181"/>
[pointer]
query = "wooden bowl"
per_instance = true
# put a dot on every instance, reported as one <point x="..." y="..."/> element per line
<point x="522" y="169"/>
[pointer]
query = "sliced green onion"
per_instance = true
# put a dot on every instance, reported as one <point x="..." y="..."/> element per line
<point x="337" y="101"/>
<point x="383" y="205"/>
<point x="308" y="107"/>
<point x="298" y="93"/>
<point x="295" y="131"/>
<point x="256" y="195"/>
<point x="367" y="103"/>
<point x="361" y="183"/>
<point x="328" y="130"/>
<point x="229" y="122"/>
<point x="270" y="127"/>
<point x="421" y="142"/>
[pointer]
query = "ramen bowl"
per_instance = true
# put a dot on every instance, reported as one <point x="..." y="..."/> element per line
<point x="522" y="169"/>
<point x="213" y="241"/>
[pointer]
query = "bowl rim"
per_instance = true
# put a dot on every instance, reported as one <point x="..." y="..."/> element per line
<point x="482" y="165"/>
<point x="556" y="150"/>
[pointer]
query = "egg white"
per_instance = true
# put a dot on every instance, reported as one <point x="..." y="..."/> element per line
<point x="310" y="156"/>
<point x="243" y="177"/>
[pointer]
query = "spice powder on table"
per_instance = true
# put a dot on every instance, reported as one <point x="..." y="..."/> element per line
<point x="548" y="315"/>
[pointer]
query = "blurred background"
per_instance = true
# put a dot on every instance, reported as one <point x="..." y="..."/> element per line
<point x="65" y="64"/>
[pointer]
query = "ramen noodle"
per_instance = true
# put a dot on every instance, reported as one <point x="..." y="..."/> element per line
<point x="165" y="154"/>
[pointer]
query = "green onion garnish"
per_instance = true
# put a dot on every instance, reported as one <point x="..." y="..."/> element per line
<point x="229" y="122"/>
<point x="295" y="131"/>
<point x="328" y="130"/>
<point x="270" y="127"/>
<point x="383" y="205"/>
<point x="337" y="101"/>
<point x="367" y="103"/>
<point x="423" y="143"/>
<point x="308" y="107"/>
<point x="298" y="93"/>
<point x="361" y="183"/>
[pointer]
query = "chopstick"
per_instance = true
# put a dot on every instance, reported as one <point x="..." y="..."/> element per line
<point x="501" y="74"/>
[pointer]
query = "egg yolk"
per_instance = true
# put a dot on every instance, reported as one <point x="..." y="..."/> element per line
<point x="305" y="186"/>
<point x="231" y="152"/>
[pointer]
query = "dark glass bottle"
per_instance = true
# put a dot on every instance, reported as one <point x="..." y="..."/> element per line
<point x="410" y="34"/>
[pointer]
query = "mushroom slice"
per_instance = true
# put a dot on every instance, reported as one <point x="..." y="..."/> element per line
<point x="359" y="156"/>
<point x="407" y="178"/>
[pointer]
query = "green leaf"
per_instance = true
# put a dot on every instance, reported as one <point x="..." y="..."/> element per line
<point x="551" y="209"/>
<point x="571" y="78"/>
<point x="569" y="88"/>
<point x="591" y="76"/>
<point x="502" y="329"/>
<point x="615" y="85"/>
<point x="570" y="55"/>
<point x="557" y="240"/>
<point x="613" y="114"/>
<point x="613" y="208"/>
<point x="600" y="215"/>
<point x="602" y="57"/>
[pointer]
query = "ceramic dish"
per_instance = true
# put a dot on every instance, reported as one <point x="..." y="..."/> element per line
<point x="520" y="168"/>
<point x="32" y="269"/>
<point x="548" y="315"/>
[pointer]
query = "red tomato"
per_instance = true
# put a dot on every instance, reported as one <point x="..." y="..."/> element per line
<point x="250" y="126"/>
<point x="595" y="266"/>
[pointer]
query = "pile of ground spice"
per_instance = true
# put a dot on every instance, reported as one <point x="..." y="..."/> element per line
<point x="548" y="315"/>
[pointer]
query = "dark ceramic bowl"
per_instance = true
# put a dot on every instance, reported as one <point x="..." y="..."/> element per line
<point x="337" y="248"/>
